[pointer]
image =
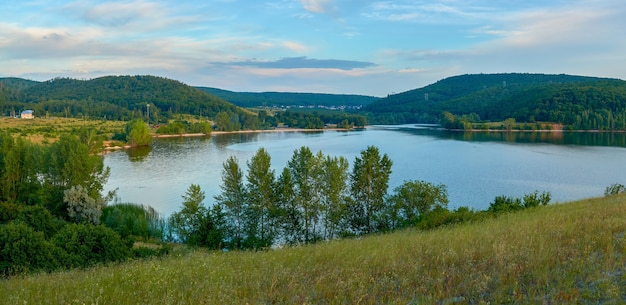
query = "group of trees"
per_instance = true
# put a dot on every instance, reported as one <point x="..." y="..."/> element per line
<point x="51" y="205"/>
<point x="315" y="197"/>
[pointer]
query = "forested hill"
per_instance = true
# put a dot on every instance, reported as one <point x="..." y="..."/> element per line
<point x="123" y="97"/>
<point x="285" y="99"/>
<point x="578" y="102"/>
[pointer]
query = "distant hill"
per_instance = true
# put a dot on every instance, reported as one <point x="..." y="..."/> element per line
<point x="579" y="102"/>
<point x="119" y="97"/>
<point x="16" y="83"/>
<point x="286" y="99"/>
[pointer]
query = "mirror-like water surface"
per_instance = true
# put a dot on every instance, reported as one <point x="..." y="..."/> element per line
<point x="476" y="167"/>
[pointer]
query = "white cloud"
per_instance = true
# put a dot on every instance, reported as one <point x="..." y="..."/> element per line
<point x="318" y="6"/>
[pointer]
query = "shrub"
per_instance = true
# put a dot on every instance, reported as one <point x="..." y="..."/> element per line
<point x="128" y="219"/>
<point x="22" y="250"/>
<point x="614" y="189"/>
<point x="534" y="199"/>
<point x="8" y="211"/>
<point x="176" y="127"/>
<point x="505" y="204"/>
<point x="87" y="245"/>
<point x="40" y="219"/>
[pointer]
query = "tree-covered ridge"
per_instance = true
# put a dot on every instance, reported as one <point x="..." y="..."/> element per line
<point x="133" y="93"/>
<point x="286" y="99"/>
<point x="16" y="83"/>
<point x="119" y="97"/>
<point x="574" y="101"/>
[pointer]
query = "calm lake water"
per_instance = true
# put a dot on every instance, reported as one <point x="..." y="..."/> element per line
<point x="476" y="167"/>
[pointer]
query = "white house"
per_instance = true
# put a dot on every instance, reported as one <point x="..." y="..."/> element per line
<point x="27" y="114"/>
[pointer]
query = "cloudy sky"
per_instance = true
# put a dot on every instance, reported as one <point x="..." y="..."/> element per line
<point x="331" y="46"/>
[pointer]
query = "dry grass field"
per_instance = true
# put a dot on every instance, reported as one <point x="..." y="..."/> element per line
<point x="572" y="253"/>
<point x="45" y="130"/>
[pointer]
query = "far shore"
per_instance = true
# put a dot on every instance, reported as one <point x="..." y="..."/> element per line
<point x="184" y="135"/>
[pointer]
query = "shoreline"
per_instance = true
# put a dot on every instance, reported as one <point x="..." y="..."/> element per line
<point x="186" y="135"/>
<point x="189" y="135"/>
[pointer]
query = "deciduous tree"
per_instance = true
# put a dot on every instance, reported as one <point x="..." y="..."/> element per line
<point x="370" y="180"/>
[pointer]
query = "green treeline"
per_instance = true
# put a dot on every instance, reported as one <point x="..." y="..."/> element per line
<point x="576" y="102"/>
<point x="287" y="99"/>
<point x="156" y="100"/>
<point x="315" y="198"/>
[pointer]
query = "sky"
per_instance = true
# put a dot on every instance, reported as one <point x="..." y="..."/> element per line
<point x="364" y="47"/>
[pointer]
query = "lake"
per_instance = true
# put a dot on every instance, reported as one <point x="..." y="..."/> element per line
<point x="475" y="167"/>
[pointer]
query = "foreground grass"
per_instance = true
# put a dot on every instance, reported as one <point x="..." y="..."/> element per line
<point x="567" y="253"/>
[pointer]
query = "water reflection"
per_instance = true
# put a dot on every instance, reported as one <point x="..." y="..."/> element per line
<point x="138" y="154"/>
<point x="616" y="139"/>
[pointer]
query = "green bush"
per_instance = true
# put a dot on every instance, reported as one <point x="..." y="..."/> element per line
<point x="87" y="245"/>
<point x="505" y="204"/>
<point x="534" y="199"/>
<point x="8" y="212"/>
<point x="176" y="127"/>
<point x="128" y="219"/>
<point x="40" y="219"/>
<point x="22" y="250"/>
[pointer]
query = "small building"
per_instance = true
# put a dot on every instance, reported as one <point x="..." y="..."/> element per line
<point x="27" y="114"/>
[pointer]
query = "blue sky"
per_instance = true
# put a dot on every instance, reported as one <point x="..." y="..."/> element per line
<point x="330" y="46"/>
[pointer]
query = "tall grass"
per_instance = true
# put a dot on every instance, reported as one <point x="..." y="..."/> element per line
<point x="567" y="253"/>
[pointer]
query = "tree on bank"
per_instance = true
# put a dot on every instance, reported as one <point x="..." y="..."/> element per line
<point x="261" y="200"/>
<point x="232" y="200"/>
<point x="370" y="180"/>
<point x="302" y="171"/>
<point x="138" y="133"/>
<point x="412" y="200"/>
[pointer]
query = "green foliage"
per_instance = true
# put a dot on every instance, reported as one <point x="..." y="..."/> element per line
<point x="509" y="204"/>
<point x="260" y="197"/>
<point x="370" y="179"/>
<point x="232" y="202"/>
<point x="138" y="133"/>
<point x="316" y="119"/>
<point x="128" y="219"/>
<point x="22" y="250"/>
<point x="196" y="225"/>
<point x="87" y="245"/>
<point x="614" y="189"/>
<point x="8" y="212"/>
<point x="40" y="219"/>
<point x="200" y="127"/>
<point x="414" y="199"/>
<point x="176" y="127"/>
<point x="505" y="204"/>
<point x="535" y="199"/>
<point x="180" y="127"/>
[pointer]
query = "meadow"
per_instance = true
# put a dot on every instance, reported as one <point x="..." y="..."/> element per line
<point x="46" y="130"/>
<point x="569" y="253"/>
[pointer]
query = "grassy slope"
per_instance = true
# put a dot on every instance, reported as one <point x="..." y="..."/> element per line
<point x="565" y="253"/>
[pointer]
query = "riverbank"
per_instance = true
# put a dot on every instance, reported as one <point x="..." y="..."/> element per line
<point x="108" y="145"/>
